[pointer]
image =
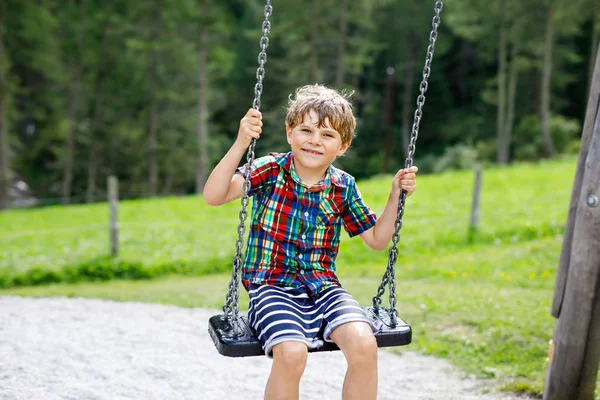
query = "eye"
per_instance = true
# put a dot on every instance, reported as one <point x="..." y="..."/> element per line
<point x="305" y="130"/>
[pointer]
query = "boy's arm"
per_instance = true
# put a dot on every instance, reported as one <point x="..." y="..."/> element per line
<point x="379" y="236"/>
<point x="224" y="185"/>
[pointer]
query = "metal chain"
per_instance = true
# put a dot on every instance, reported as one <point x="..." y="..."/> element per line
<point x="389" y="276"/>
<point x="232" y="307"/>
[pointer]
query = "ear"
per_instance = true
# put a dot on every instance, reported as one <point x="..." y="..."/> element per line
<point x="288" y="132"/>
<point x="343" y="149"/>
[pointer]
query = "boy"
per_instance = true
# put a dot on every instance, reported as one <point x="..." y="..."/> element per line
<point x="300" y="203"/>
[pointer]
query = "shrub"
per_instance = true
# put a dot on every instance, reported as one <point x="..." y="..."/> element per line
<point x="107" y="268"/>
<point x="486" y="150"/>
<point x="527" y="138"/>
<point x="457" y="157"/>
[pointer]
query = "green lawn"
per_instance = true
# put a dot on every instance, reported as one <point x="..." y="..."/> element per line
<point x="484" y="305"/>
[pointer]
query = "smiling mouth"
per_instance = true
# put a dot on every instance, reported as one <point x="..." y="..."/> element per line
<point x="317" y="153"/>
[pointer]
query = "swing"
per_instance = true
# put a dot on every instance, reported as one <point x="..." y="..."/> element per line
<point x="231" y="332"/>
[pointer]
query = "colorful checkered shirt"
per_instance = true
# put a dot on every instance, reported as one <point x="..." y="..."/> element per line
<point x="294" y="232"/>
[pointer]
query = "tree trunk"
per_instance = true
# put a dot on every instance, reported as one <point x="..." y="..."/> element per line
<point x="388" y="106"/>
<point x="4" y="146"/>
<point x="407" y="98"/>
<point x="312" y="72"/>
<point x="74" y="102"/>
<point x="152" y="150"/>
<point x="90" y="194"/>
<point x="92" y="169"/>
<point x="96" y="128"/>
<point x="513" y="77"/>
<point x="341" y="66"/>
<point x="202" y="162"/>
<point x="154" y="103"/>
<point x="70" y="144"/>
<point x="546" y="84"/>
<point x="169" y="174"/>
<point x="501" y="148"/>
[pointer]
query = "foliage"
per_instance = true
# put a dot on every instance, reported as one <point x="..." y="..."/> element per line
<point x="456" y="157"/>
<point x="528" y="144"/>
<point x="125" y="75"/>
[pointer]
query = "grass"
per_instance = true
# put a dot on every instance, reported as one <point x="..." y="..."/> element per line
<point x="151" y="232"/>
<point x="482" y="304"/>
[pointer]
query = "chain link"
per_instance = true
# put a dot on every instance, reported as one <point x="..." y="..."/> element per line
<point x="389" y="277"/>
<point x="231" y="308"/>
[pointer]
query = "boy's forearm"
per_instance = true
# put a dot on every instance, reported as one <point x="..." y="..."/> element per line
<point x="385" y="226"/>
<point x="218" y="183"/>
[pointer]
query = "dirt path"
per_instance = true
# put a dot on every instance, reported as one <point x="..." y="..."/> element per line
<point x="60" y="348"/>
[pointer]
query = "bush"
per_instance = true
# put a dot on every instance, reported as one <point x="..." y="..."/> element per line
<point x="457" y="157"/>
<point x="486" y="150"/>
<point x="107" y="268"/>
<point x="426" y="163"/>
<point x="527" y="137"/>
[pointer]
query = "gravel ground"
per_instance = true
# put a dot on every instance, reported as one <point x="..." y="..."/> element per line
<point x="61" y="348"/>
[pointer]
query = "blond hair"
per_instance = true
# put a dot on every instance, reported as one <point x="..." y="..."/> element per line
<point x="328" y="104"/>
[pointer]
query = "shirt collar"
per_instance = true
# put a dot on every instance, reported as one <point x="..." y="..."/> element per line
<point x="285" y="160"/>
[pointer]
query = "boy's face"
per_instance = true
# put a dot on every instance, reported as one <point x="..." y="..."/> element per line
<point x="315" y="147"/>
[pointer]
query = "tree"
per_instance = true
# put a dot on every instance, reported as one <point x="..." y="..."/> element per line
<point x="105" y="33"/>
<point x="499" y="39"/>
<point x="546" y="80"/>
<point x="160" y="56"/>
<point x="595" y="20"/>
<point x="74" y="66"/>
<point x="202" y="166"/>
<point x="511" y="69"/>
<point x="153" y="91"/>
<point x="341" y="63"/>
<point x="4" y="149"/>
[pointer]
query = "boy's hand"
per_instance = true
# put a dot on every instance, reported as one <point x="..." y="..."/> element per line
<point x="250" y="127"/>
<point x="405" y="179"/>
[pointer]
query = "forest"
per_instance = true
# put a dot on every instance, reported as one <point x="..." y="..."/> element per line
<point x="152" y="92"/>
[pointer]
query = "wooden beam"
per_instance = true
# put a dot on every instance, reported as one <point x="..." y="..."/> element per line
<point x="574" y="367"/>
<point x="592" y="352"/>
<point x="590" y="116"/>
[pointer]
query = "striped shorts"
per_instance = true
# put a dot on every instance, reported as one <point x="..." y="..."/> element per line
<point x="280" y="314"/>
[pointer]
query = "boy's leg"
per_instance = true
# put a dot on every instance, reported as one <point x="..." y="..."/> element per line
<point x="357" y="342"/>
<point x="289" y="361"/>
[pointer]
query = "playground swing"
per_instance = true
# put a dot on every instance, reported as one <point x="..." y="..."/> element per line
<point x="231" y="332"/>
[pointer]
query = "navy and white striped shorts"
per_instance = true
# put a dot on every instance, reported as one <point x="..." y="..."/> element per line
<point x="280" y="314"/>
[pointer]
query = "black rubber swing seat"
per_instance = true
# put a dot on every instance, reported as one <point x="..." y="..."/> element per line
<point x="246" y="344"/>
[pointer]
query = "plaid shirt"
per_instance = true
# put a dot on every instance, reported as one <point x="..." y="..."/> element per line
<point x="295" y="230"/>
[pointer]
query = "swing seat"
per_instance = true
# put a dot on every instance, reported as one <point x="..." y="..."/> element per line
<point x="246" y="344"/>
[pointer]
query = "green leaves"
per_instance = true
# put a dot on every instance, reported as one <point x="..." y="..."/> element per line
<point x="123" y="72"/>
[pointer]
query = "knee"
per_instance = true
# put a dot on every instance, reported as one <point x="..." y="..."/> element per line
<point x="291" y="356"/>
<point x="362" y="351"/>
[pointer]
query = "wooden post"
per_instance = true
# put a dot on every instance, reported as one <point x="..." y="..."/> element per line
<point x="475" y="206"/>
<point x="113" y="200"/>
<point x="573" y="367"/>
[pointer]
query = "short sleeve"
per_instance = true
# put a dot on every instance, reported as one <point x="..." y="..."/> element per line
<point x="264" y="173"/>
<point x="357" y="217"/>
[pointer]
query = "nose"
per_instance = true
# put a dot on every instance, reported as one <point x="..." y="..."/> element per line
<point x="315" y="138"/>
